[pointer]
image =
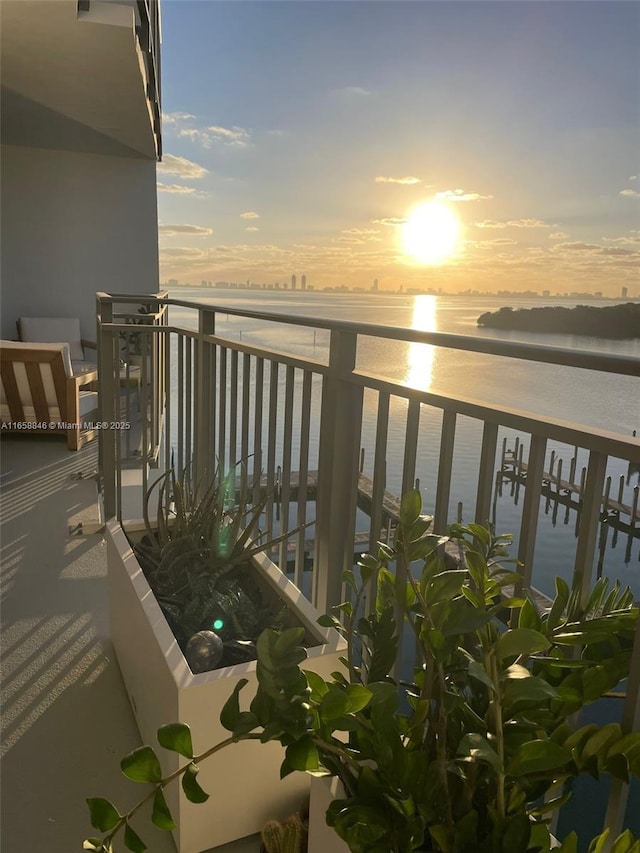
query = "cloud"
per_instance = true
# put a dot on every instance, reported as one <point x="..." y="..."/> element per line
<point x="527" y="223"/>
<point x="633" y="177"/>
<point x="595" y="249"/>
<point x="232" y="137"/>
<point x="250" y="214"/>
<point x="409" y="179"/>
<point x="558" y="235"/>
<point x="623" y="240"/>
<point x="276" y="132"/>
<point x="174" y="230"/>
<point x="174" y="188"/>
<point x="175" y="118"/>
<point x="630" y="193"/>
<point x="460" y="195"/>
<point x="389" y="220"/>
<point x="356" y="91"/>
<point x="513" y="223"/>
<point x="360" y="231"/>
<point x="172" y="165"/>
<point x="182" y="252"/>
<point x="251" y="228"/>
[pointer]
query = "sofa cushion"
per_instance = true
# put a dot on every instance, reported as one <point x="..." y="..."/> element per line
<point x="51" y="330"/>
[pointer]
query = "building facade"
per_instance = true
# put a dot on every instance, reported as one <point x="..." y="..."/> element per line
<point x="81" y="135"/>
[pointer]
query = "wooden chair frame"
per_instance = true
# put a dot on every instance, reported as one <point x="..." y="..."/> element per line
<point x="67" y="392"/>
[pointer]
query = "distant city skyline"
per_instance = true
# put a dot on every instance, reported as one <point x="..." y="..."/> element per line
<point x="302" y="136"/>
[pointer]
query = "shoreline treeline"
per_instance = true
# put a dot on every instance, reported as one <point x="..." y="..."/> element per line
<point x="611" y="321"/>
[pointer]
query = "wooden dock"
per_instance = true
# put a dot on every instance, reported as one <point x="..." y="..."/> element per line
<point x="569" y="492"/>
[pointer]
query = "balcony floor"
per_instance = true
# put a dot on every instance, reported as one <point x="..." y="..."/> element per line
<point x="66" y="720"/>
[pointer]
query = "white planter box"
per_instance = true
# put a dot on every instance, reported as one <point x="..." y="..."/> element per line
<point x="322" y="838"/>
<point x="243" y="780"/>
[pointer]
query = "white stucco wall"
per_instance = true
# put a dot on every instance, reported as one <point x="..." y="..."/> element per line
<point x="73" y="224"/>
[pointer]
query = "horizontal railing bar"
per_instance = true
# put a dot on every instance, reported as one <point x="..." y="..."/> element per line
<point x="612" y="443"/>
<point x="625" y="365"/>
<point x="313" y="364"/>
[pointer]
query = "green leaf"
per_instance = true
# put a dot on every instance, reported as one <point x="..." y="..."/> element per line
<point x="287" y="641"/>
<point x="474" y="747"/>
<point x="133" y="841"/>
<point x="517" y="833"/>
<point x="559" y="605"/>
<point x="191" y="787"/>
<point x="410" y="507"/>
<point x="177" y="738"/>
<point x="537" y="756"/>
<point x="104" y="815"/>
<point x="334" y="704"/>
<point x="599" y="843"/>
<point x="477" y="671"/>
<point x="303" y="755"/>
<point x="161" y="816"/>
<point x="527" y="691"/>
<point x="231" y="708"/>
<point x="445" y="585"/>
<point x="142" y="765"/>
<point x="317" y="684"/>
<point x="570" y="844"/>
<point x="521" y="641"/>
<point x="358" y="696"/>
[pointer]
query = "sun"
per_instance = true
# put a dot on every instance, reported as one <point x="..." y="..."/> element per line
<point x="431" y="233"/>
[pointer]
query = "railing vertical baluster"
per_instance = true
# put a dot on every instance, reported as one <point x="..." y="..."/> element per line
<point x="180" y="462"/>
<point x="222" y="412"/>
<point x="379" y="470"/>
<point x="233" y="410"/>
<point x="588" y="530"/>
<point x="108" y="363"/>
<point x="257" y="429"/>
<point x="486" y="474"/>
<point x="271" y="444"/>
<point x="286" y="463"/>
<point x="340" y="431"/>
<point x="244" y="430"/>
<point x="204" y="396"/>
<point x="445" y="464"/>
<point x="410" y="445"/>
<point x="531" y="506"/>
<point x="167" y="351"/>
<point x="303" y="470"/>
<point x="188" y="450"/>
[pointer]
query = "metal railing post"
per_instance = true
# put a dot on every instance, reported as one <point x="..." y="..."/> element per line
<point x="107" y="365"/>
<point x="338" y="456"/>
<point x="589" y="518"/>
<point x="204" y="395"/>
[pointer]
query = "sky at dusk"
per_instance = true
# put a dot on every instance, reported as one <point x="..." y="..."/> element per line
<point x="299" y="137"/>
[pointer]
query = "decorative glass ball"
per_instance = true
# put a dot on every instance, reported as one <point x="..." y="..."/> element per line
<point x="204" y="651"/>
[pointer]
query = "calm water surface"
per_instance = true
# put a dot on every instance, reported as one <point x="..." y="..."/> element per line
<point x="587" y="398"/>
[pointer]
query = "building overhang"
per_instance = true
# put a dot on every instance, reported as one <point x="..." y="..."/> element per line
<point x="80" y="76"/>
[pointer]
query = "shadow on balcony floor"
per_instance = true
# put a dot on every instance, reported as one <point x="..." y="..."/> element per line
<point x="66" y="720"/>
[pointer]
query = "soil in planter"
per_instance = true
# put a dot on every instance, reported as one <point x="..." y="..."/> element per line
<point x="194" y="597"/>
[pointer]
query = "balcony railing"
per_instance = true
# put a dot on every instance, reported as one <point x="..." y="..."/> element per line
<point x="302" y="425"/>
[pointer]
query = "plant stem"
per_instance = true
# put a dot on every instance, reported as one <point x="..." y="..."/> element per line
<point x="158" y="786"/>
<point x="499" y="733"/>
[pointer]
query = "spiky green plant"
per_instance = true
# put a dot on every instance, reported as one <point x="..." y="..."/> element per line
<point x="197" y="545"/>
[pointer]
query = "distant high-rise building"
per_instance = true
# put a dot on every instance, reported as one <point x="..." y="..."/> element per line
<point x="293" y="282"/>
<point x="303" y="282"/>
<point x="624" y="293"/>
<point x="375" y="284"/>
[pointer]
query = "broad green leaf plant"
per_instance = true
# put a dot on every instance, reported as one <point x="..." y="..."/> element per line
<point x="474" y="750"/>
